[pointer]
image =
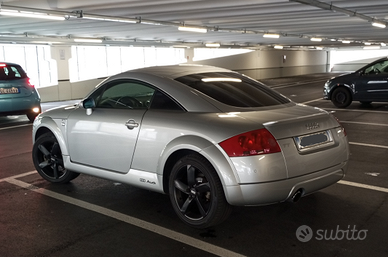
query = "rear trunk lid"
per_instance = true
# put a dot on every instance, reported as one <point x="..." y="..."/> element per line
<point x="310" y="138"/>
<point x="14" y="88"/>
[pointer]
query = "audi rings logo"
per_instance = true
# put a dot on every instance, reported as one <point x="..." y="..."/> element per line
<point x="304" y="233"/>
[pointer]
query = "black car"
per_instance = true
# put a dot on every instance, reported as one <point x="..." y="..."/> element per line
<point x="368" y="84"/>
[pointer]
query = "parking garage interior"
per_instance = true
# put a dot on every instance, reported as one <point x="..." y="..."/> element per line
<point x="311" y="42"/>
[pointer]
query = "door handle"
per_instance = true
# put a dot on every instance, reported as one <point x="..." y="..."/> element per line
<point x="131" y="124"/>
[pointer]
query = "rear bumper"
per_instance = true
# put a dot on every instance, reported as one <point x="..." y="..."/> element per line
<point x="18" y="106"/>
<point x="280" y="191"/>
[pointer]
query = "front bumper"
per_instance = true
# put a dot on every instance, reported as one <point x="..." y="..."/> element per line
<point x="282" y="190"/>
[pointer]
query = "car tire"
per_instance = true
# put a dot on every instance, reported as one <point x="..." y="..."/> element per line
<point x="196" y="193"/>
<point x="31" y="116"/>
<point x="341" y="97"/>
<point x="365" y="102"/>
<point x="48" y="161"/>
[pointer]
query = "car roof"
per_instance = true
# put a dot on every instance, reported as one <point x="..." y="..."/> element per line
<point x="10" y="63"/>
<point x="176" y="71"/>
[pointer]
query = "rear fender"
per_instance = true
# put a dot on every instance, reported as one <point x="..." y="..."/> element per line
<point x="212" y="152"/>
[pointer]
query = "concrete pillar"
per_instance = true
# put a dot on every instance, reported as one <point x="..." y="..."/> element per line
<point x="62" y="55"/>
<point x="189" y="53"/>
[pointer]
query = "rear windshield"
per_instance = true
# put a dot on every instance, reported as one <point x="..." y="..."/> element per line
<point x="11" y="72"/>
<point x="233" y="89"/>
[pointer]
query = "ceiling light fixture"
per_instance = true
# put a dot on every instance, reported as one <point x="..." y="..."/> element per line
<point x="213" y="45"/>
<point x="371" y="47"/>
<point x="105" y="18"/>
<point x="87" y="40"/>
<point x="278" y="47"/>
<point x="316" y="39"/>
<point x="193" y="29"/>
<point x="379" y="24"/>
<point x="367" y="43"/>
<point x="345" y="42"/>
<point x="271" y="35"/>
<point x="383" y="44"/>
<point x="38" y="15"/>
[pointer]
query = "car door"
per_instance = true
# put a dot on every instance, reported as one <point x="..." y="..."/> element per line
<point x="373" y="83"/>
<point x="106" y="137"/>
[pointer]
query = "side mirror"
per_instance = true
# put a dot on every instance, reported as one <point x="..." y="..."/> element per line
<point x="89" y="104"/>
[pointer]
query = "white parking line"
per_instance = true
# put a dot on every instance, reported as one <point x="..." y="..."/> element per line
<point x="315" y="100"/>
<point x="19" y="126"/>
<point x="350" y="110"/>
<point x="364" y="123"/>
<point x="213" y="249"/>
<point x="354" y="184"/>
<point x="369" y="145"/>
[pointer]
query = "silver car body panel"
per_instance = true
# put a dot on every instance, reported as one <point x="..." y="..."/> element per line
<point x="100" y="144"/>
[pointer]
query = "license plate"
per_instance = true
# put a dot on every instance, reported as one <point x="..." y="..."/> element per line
<point x="313" y="140"/>
<point x="12" y="90"/>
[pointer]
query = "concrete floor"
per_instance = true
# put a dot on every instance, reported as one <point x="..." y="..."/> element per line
<point x="96" y="217"/>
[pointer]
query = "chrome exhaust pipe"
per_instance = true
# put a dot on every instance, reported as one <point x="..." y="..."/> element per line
<point x="297" y="195"/>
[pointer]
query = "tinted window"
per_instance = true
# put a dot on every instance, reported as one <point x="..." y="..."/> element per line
<point x="130" y="94"/>
<point x="377" y="68"/>
<point x="124" y="95"/>
<point x="11" y="72"/>
<point x="233" y="89"/>
<point x="162" y="102"/>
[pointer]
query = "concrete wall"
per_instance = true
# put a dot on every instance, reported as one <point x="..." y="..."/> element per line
<point x="68" y="91"/>
<point x="256" y="64"/>
<point x="273" y="63"/>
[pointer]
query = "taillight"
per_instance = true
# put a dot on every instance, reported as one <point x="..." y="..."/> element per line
<point x="30" y="83"/>
<point x="3" y="64"/>
<point x="255" y="142"/>
<point x="342" y="127"/>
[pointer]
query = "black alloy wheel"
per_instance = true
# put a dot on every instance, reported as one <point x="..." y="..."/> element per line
<point x="196" y="193"/>
<point x="48" y="161"/>
<point x="341" y="97"/>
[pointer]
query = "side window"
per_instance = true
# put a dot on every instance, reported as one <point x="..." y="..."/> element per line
<point x="162" y="102"/>
<point x="124" y="95"/>
<point x="377" y="68"/>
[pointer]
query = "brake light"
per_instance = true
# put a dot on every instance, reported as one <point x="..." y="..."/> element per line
<point x="30" y="83"/>
<point x="339" y="123"/>
<point x="255" y="142"/>
<point x="2" y="65"/>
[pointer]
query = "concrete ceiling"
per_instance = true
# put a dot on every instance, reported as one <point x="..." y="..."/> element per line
<point x="232" y="23"/>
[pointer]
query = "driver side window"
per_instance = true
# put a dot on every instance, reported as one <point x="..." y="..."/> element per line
<point x="125" y="95"/>
<point x="377" y="68"/>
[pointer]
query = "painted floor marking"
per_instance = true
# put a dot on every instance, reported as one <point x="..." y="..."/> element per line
<point x="147" y="225"/>
<point x="350" y="110"/>
<point x="125" y="218"/>
<point x="354" y="184"/>
<point x="369" y="145"/>
<point x="315" y="100"/>
<point x="19" y="126"/>
<point x="365" y="123"/>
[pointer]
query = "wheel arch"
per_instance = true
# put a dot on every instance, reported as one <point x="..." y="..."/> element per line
<point x="48" y="125"/>
<point x="196" y="145"/>
<point x="341" y="85"/>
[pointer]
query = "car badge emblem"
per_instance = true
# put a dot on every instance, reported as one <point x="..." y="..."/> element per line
<point x="313" y="125"/>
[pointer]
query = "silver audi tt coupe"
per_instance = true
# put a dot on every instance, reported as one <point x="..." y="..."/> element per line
<point x="208" y="137"/>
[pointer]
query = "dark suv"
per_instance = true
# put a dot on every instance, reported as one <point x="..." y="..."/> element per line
<point x="17" y="94"/>
<point x="368" y="84"/>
